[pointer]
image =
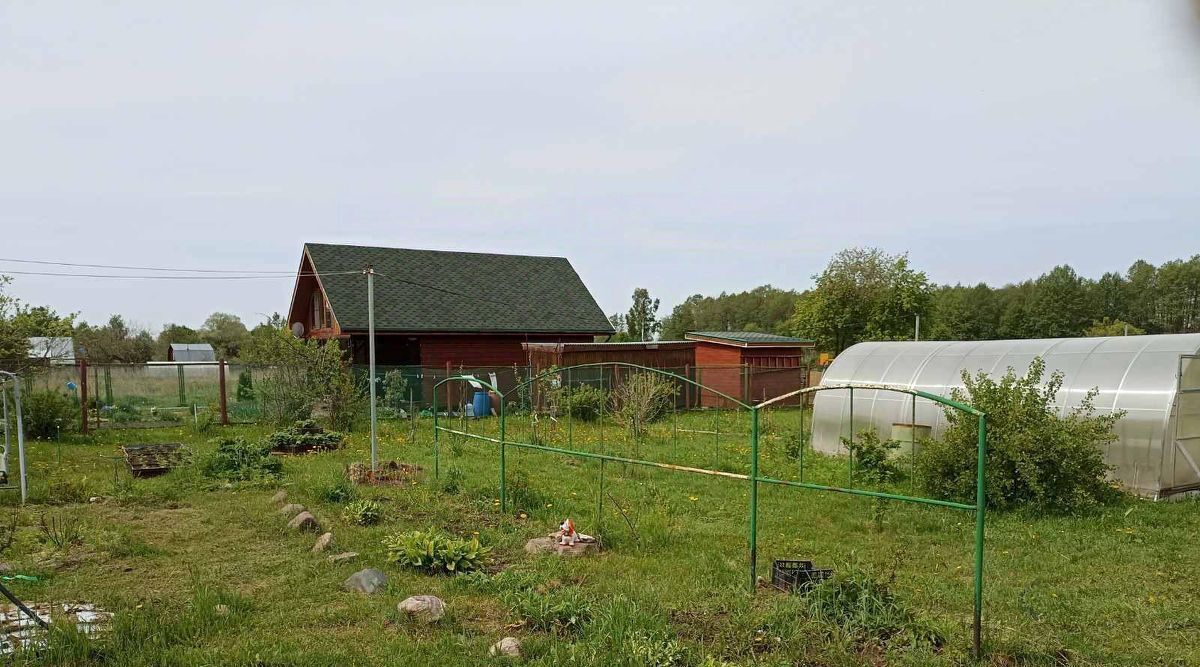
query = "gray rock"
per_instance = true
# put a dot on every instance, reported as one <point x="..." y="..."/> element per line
<point x="425" y="608"/>
<point x="509" y="647"/>
<point x="550" y="545"/>
<point x="368" y="581"/>
<point x="323" y="542"/>
<point x="279" y="496"/>
<point x="291" y="509"/>
<point x="343" y="557"/>
<point x="305" y="521"/>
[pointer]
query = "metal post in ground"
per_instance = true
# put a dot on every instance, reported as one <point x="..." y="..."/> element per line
<point x="980" y="509"/>
<point x="753" y="499"/>
<point x="224" y="401"/>
<point x="20" y="436"/>
<point x="7" y="440"/>
<point x="371" y="362"/>
<point x="83" y="397"/>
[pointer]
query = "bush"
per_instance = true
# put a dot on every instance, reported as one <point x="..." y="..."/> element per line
<point x="870" y="455"/>
<point x="305" y="436"/>
<point x="237" y="460"/>
<point x="642" y="398"/>
<point x="245" y="386"/>
<point x="48" y="412"/>
<point x="1035" y="458"/>
<point x="434" y="552"/>
<point x="583" y="402"/>
<point x="363" y="512"/>
<point x="557" y="610"/>
<point x="337" y="491"/>
<point x="867" y="610"/>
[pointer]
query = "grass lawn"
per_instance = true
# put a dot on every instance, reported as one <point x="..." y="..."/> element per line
<point x="206" y="574"/>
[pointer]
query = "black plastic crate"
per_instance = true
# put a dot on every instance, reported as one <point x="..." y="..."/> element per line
<point x="797" y="575"/>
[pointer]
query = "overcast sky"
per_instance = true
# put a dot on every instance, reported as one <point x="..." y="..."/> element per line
<point x="692" y="148"/>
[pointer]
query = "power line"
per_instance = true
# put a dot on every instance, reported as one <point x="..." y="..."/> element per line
<point x="138" y="268"/>
<point x="152" y="277"/>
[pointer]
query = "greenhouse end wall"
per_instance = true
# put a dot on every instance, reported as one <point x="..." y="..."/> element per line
<point x="1154" y="379"/>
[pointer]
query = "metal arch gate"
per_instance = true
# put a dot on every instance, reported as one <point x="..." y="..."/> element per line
<point x="754" y="478"/>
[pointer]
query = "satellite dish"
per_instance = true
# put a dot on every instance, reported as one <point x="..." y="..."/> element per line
<point x="298" y="329"/>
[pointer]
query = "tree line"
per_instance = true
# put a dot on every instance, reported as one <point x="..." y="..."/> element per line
<point x="868" y="294"/>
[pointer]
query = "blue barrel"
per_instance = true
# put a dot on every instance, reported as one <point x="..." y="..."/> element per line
<point x="482" y="404"/>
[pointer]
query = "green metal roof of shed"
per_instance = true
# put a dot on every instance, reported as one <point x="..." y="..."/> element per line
<point x="457" y="292"/>
<point x="747" y="338"/>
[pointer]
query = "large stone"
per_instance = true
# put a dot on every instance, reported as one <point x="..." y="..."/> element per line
<point x="291" y="509"/>
<point x="343" y="557"/>
<point x="425" y="608"/>
<point x="550" y="545"/>
<point x="509" y="647"/>
<point x="368" y="581"/>
<point x="323" y="542"/>
<point x="279" y="496"/>
<point x="305" y="521"/>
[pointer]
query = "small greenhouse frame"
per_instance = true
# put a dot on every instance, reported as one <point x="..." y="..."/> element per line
<point x="754" y="478"/>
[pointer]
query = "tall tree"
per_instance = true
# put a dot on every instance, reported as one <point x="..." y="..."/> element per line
<point x="864" y="294"/>
<point x="173" y="333"/>
<point x="642" y="319"/>
<point x="114" y="342"/>
<point x="618" y="324"/>
<point x="226" y="333"/>
<point x="764" y="308"/>
<point x="1059" y="306"/>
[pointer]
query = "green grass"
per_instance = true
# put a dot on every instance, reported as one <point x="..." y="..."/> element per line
<point x="201" y="573"/>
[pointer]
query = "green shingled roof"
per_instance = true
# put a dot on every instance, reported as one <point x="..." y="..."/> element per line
<point x="747" y="337"/>
<point x="433" y="290"/>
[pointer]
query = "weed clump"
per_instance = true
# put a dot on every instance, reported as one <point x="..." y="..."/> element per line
<point x="305" y="436"/>
<point x="237" y="460"/>
<point x="868" y="610"/>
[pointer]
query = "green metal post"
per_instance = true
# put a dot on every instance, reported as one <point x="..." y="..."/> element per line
<point x="600" y="504"/>
<point x="753" y="499"/>
<point x="803" y="439"/>
<point x="503" y="495"/>
<point x="850" y="447"/>
<point x="570" y="418"/>
<point x="436" y="456"/>
<point x="912" y="448"/>
<point x="980" y="509"/>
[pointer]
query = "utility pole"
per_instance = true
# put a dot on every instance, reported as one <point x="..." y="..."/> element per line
<point x="371" y="362"/>
<point x="917" y="335"/>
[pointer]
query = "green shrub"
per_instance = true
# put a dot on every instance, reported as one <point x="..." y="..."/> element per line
<point x="305" y="436"/>
<point x="339" y="490"/>
<point x="1035" y="458"/>
<point x="870" y="456"/>
<point x="435" y="552"/>
<point x="237" y="460"/>
<point x="867" y="610"/>
<point x="583" y="402"/>
<point x="245" y="386"/>
<point x="794" y="443"/>
<point x="363" y="512"/>
<point x="640" y="399"/>
<point x="558" y="610"/>
<point x="47" y="413"/>
<point x="452" y="481"/>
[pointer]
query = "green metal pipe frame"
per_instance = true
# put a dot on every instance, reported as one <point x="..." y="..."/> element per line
<point x="979" y="507"/>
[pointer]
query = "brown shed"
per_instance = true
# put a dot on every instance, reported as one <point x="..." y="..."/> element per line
<point x="749" y="366"/>
<point x="674" y="355"/>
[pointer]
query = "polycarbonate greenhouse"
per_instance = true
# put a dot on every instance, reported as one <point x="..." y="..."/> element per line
<point x="1154" y="379"/>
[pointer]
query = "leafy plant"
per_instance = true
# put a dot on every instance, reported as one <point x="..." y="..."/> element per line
<point x="1035" y="458"/>
<point x="434" y="552"/>
<point x="452" y="481"/>
<point x="305" y="436"/>
<point x="867" y="609"/>
<point x="363" y="512"/>
<point x="560" y="611"/>
<point x="583" y="402"/>
<point x="872" y="456"/>
<point x="794" y="443"/>
<point x="237" y="460"/>
<point x="640" y="399"/>
<point x="656" y="651"/>
<point x="47" y="413"/>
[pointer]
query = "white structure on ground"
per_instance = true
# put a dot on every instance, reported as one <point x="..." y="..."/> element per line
<point x="1154" y="379"/>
